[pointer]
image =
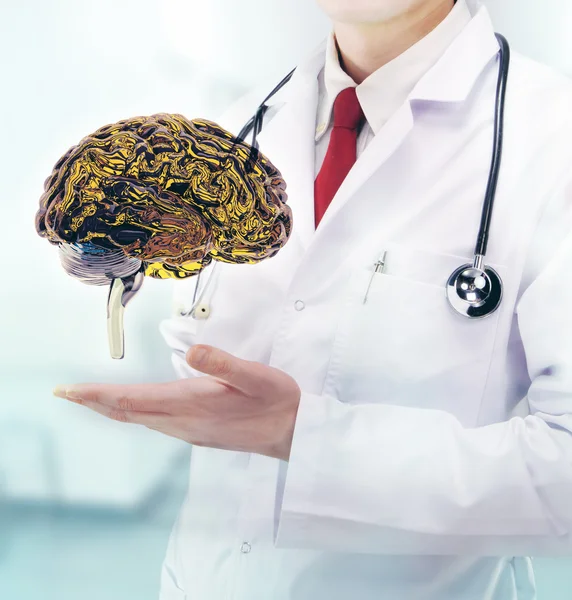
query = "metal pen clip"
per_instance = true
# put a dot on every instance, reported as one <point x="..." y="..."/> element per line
<point x="379" y="266"/>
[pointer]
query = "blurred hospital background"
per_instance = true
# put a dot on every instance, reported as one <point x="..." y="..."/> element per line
<point x="86" y="505"/>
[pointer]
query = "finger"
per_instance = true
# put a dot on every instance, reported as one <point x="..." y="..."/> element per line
<point x="246" y="375"/>
<point x="149" y="397"/>
<point x="148" y="419"/>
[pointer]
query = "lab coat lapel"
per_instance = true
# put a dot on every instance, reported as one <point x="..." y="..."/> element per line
<point x="378" y="151"/>
<point x="288" y="139"/>
<point x="449" y="81"/>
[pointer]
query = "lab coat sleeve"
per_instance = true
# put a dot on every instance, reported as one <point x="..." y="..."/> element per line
<point x="179" y="333"/>
<point x="377" y="478"/>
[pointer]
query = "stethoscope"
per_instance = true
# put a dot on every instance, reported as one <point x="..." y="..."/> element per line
<point x="473" y="290"/>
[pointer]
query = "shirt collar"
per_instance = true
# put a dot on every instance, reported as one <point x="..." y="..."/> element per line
<point x="382" y="93"/>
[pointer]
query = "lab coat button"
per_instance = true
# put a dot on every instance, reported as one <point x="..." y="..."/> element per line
<point x="245" y="548"/>
<point x="299" y="305"/>
<point x="201" y="312"/>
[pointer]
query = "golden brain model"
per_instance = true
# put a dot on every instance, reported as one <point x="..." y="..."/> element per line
<point x="160" y="196"/>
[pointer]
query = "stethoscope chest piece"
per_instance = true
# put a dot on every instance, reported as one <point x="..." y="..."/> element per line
<point x="473" y="292"/>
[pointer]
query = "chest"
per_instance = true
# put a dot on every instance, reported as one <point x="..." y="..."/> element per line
<point x="320" y="311"/>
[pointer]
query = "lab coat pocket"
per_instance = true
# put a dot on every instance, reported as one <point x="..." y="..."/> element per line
<point x="405" y="344"/>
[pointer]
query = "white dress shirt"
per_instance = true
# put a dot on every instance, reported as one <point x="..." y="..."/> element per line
<point x="385" y="90"/>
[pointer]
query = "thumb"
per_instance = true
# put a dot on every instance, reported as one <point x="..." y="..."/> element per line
<point x="218" y="363"/>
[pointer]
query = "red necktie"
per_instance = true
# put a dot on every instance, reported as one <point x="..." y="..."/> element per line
<point x="341" y="154"/>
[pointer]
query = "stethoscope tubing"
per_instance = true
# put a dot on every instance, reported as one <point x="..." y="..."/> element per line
<point x="500" y="102"/>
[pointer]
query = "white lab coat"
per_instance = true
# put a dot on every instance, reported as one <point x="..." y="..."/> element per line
<point x="424" y="441"/>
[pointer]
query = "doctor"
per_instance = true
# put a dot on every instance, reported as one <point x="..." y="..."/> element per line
<point x="353" y="436"/>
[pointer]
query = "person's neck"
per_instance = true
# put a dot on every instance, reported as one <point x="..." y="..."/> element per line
<point x="364" y="48"/>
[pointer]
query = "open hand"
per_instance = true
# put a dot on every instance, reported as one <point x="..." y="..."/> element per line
<point x="241" y="405"/>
